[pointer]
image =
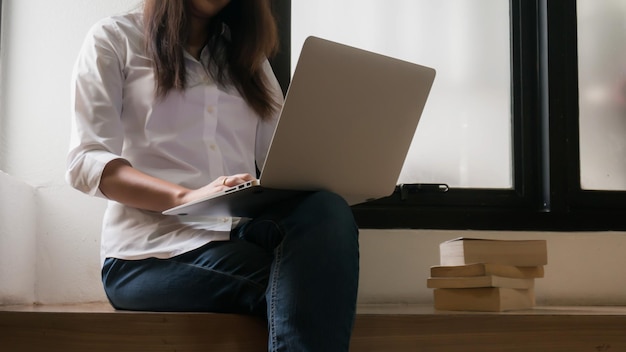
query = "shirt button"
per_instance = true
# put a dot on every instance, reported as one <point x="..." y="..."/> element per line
<point x="210" y="109"/>
<point x="213" y="147"/>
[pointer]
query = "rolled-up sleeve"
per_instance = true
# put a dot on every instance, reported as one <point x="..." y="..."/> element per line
<point x="96" y="94"/>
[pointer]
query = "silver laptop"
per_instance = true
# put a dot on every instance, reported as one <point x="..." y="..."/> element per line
<point x="346" y="126"/>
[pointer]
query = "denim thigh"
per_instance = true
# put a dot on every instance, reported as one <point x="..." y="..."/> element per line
<point x="222" y="276"/>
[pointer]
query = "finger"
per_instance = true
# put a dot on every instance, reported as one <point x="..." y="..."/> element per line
<point x="220" y="181"/>
<point x="244" y="177"/>
<point x="237" y="179"/>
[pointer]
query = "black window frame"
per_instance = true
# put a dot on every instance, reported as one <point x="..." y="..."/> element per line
<point x="546" y="194"/>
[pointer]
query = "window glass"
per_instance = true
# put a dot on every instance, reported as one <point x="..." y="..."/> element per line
<point x="602" y="93"/>
<point x="464" y="137"/>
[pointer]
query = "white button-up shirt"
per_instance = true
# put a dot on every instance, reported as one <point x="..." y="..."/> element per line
<point x="190" y="137"/>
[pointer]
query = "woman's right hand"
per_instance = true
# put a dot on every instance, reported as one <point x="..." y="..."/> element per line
<point x="219" y="184"/>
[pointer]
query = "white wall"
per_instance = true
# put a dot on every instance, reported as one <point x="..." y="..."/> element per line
<point x="49" y="234"/>
<point x="17" y="241"/>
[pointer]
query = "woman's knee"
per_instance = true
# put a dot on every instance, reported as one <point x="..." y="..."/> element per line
<point x="328" y="207"/>
<point x="326" y="201"/>
<point x="328" y="216"/>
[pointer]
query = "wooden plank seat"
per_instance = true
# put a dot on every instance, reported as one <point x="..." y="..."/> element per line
<point x="97" y="327"/>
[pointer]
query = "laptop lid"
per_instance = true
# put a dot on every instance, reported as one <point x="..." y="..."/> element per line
<point x="347" y="123"/>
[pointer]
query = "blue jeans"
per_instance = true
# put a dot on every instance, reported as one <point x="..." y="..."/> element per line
<point x="297" y="265"/>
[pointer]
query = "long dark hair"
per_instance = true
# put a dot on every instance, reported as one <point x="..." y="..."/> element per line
<point x="238" y="58"/>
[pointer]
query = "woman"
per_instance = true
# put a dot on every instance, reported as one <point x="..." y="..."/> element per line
<point x="179" y="102"/>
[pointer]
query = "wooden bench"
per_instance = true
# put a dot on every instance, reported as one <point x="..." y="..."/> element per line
<point x="98" y="327"/>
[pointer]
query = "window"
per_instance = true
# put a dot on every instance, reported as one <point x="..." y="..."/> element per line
<point x="602" y="94"/>
<point x="2" y="108"/>
<point x="467" y="42"/>
<point x="1" y="80"/>
<point x="519" y="155"/>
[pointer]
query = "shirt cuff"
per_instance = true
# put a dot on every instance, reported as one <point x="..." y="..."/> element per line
<point x="86" y="172"/>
